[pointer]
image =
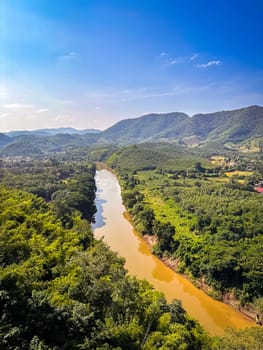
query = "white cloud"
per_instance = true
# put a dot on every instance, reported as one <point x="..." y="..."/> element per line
<point x="18" y="106"/>
<point x="142" y="93"/>
<point x="71" y="56"/>
<point x="42" y="110"/>
<point x="167" y="59"/>
<point x="209" y="64"/>
<point x="194" y="56"/>
<point x="170" y="61"/>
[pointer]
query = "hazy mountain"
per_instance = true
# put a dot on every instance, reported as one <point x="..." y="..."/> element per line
<point x="68" y="131"/>
<point x="4" y="140"/>
<point x="35" y="144"/>
<point x="51" y="132"/>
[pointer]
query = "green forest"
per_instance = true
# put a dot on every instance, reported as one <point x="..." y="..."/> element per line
<point x="62" y="289"/>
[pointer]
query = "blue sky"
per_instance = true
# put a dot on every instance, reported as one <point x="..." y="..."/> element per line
<point x="90" y="63"/>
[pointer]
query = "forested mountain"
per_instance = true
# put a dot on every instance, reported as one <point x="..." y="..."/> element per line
<point x="229" y="126"/>
<point x="226" y="128"/>
<point x="142" y="128"/>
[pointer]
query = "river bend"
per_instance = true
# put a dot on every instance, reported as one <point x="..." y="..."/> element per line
<point x="119" y="234"/>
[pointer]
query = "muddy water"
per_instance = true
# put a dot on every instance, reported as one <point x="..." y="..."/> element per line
<point x="118" y="233"/>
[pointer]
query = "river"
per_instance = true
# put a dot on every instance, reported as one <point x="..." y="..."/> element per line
<point x="119" y="234"/>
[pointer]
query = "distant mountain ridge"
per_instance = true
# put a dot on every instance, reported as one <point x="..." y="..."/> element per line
<point x="35" y="144"/>
<point x="226" y="127"/>
<point x="52" y="131"/>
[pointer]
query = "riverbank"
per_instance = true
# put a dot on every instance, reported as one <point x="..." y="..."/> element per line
<point x="101" y="166"/>
<point x="226" y="298"/>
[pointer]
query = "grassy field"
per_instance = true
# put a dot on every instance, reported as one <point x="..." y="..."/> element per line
<point x="239" y="173"/>
<point x="165" y="209"/>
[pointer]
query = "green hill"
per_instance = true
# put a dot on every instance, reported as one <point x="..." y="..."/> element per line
<point x="161" y="156"/>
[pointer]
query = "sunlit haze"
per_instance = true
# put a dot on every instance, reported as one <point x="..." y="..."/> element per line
<point x="89" y="64"/>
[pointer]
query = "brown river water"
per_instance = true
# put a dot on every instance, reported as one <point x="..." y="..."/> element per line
<point x="119" y="234"/>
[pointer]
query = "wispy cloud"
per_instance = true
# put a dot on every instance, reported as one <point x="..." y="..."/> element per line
<point x="18" y="106"/>
<point x="142" y="93"/>
<point x="71" y="56"/>
<point x="169" y="60"/>
<point x="194" y="57"/>
<point x="209" y="64"/>
<point x="42" y="110"/>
